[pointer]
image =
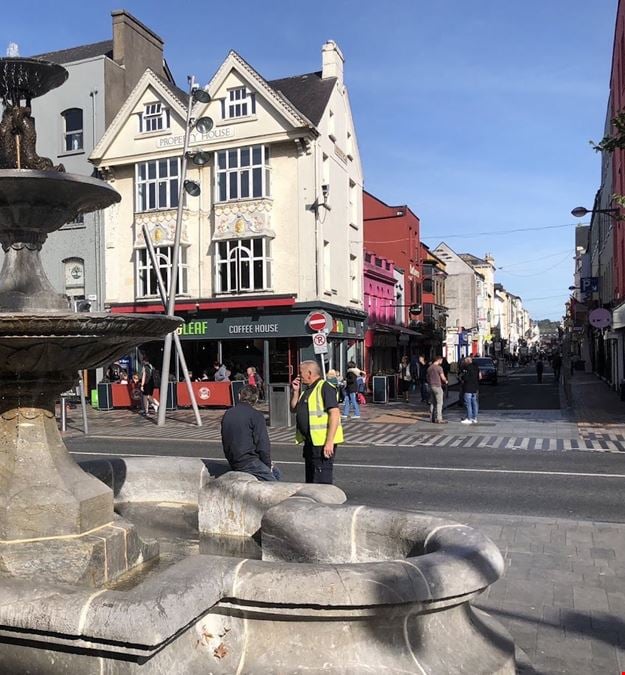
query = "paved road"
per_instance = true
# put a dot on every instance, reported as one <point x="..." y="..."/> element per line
<point x="521" y="391"/>
<point x="562" y="593"/>
<point x="584" y="486"/>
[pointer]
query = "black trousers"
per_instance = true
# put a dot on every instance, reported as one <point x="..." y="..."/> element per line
<point x="319" y="469"/>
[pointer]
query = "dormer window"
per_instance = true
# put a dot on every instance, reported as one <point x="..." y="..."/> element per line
<point x="155" y="117"/>
<point x="241" y="102"/>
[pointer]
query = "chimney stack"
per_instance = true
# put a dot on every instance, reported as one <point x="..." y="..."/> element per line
<point x="332" y="61"/>
<point x="135" y="47"/>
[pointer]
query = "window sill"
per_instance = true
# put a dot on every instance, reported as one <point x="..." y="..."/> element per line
<point x="153" y="134"/>
<point x="232" y="294"/>
<point x="227" y="121"/>
<point x="243" y="199"/>
<point x="70" y="153"/>
<point x="157" y="298"/>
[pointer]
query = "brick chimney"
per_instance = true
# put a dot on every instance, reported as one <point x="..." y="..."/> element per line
<point x="332" y="61"/>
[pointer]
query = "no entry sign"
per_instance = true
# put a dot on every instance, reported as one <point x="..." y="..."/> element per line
<point x="317" y="321"/>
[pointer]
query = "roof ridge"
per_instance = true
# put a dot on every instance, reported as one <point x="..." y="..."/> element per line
<point x="69" y="49"/>
<point x="293" y="77"/>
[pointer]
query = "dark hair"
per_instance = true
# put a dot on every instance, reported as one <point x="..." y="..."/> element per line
<point x="351" y="364"/>
<point x="438" y="357"/>
<point x="216" y="364"/>
<point x="248" y="394"/>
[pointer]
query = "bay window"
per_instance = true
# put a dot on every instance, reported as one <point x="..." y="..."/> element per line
<point x="157" y="184"/>
<point x="242" y="173"/>
<point x="243" y="265"/>
<point x="147" y="285"/>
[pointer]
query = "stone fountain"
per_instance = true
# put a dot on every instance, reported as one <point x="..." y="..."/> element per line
<point x="55" y="520"/>
<point x="244" y="576"/>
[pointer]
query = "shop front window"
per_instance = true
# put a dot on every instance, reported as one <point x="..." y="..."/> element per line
<point x="243" y="265"/>
<point x="147" y="285"/>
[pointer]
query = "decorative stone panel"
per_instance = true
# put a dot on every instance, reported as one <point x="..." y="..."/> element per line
<point x="161" y="226"/>
<point x="243" y="219"/>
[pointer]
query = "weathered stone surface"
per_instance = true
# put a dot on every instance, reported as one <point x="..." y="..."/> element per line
<point x="92" y="559"/>
<point x="234" y="503"/>
<point x="43" y="492"/>
<point x="151" y="479"/>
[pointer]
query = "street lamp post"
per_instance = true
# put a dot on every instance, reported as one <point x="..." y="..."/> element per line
<point x="204" y="124"/>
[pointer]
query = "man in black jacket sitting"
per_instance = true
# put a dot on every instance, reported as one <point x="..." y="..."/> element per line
<point x="244" y="437"/>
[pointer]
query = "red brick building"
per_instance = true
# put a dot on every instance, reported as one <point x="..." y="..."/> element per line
<point x="393" y="232"/>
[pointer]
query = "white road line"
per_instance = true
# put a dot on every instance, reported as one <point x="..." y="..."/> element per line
<point x="451" y="469"/>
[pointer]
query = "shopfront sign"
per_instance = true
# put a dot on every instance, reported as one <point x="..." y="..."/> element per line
<point x="260" y="327"/>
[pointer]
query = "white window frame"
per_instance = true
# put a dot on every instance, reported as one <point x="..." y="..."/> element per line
<point x="354" y="277"/>
<point x="239" y="176"/>
<point x="155" y="117"/>
<point x="241" y="102"/>
<point x="327" y="268"/>
<point x="157" y="184"/>
<point x="145" y="276"/>
<point x="230" y="257"/>
<point x="74" y="137"/>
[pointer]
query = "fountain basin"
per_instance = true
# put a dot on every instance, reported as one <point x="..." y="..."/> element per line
<point x="401" y="607"/>
<point x="47" y="343"/>
<point x="43" y="201"/>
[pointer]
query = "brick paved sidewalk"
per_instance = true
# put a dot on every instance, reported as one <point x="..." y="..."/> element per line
<point x="562" y="596"/>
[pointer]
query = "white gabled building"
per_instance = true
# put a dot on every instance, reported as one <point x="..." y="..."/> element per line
<point x="276" y="230"/>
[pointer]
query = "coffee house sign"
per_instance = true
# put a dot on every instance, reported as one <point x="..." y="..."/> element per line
<point x="219" y="133"/>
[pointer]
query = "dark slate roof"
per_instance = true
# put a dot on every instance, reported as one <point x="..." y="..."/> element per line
<point x="308" y="93"/>
<point x="180" y="94"/>
<point x="471" y="259"/>
<point x="104" y="48"/>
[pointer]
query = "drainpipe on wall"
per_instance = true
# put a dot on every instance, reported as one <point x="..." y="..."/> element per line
<point x="317" y="229"/>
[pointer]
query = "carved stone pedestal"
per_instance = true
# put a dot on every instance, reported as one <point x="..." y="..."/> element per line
<point x="56" y="521"/>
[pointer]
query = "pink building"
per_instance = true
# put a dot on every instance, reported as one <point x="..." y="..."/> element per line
<point x="380" y="305"/>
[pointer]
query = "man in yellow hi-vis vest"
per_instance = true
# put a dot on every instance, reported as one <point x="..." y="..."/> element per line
<point x="318" y="419"/>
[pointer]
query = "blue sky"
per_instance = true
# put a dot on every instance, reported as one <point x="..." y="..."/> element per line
<point x="475" y="114"/>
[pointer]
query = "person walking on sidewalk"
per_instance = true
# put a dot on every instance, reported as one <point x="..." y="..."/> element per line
<point x="556" y="364"/>
<point x="244" y="437"/>
<point x="436" y="379"/>
<point x="351" y="390"/>
<point x="470" y="378"/>
<point x="540" y="366"/>
<point x="423" y="383"/>
<point x="147" y="386"/>
<point x="446" y="368"/>
<point x="405" y="377"/>
<point x="318" y="421"/>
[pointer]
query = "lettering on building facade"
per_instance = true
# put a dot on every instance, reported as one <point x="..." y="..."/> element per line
<point x="219" y="133"/>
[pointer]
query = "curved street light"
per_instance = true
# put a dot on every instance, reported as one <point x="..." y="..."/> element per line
<point x="581" y="211"/>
